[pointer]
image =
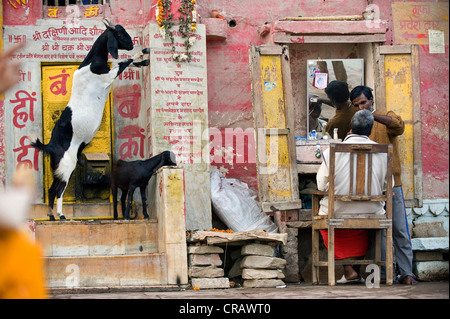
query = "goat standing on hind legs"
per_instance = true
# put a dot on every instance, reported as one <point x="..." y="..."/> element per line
<point x="130" y="175"/>
<point x="81" y="119"/>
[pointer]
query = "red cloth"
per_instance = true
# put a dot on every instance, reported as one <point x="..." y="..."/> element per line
<point x="348" y="242"/>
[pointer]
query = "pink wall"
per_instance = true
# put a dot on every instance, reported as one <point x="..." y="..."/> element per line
<point x="229" y="88"/>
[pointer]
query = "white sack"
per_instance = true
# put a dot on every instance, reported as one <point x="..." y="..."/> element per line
<point x="234" y="203"/>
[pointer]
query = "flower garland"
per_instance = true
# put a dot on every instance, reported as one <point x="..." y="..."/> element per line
<point x="188" y="24"/>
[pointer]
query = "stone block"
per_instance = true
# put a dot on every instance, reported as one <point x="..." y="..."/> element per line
<point x="211" y="283"/>
<point x="263" y="262"/>
<point x="427" y="226"/>
<point x="106" y="271"/>
<point x="431" y="270"/>
<point x="248" y="273"/>
<point x="430" y="243"/>
<point x="257" y="249"/>
<point x="205" y="272"/>
<point x="263" y="283"/>
<point x="292" y="271"/>
<point x="205" y="260"/>
<point x="428" y="256"/>
<point x="204" y="249"/>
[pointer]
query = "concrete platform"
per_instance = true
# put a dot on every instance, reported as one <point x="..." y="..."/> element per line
<point x="101" y="253"/>
<point x="422" y="290"/>
<point x="97" y="237"/>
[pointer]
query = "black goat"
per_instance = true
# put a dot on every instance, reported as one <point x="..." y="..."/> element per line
<point x="81" y="119"/>
<point x="129" y="175"/>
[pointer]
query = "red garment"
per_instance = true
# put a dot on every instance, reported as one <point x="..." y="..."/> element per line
<point x="348" y="242"/>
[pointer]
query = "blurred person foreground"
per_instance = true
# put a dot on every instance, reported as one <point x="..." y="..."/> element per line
<point x="21" y="263"/>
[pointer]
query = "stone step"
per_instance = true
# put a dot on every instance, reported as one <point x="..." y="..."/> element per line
<point x="97" y="238"/>
<point x="106" y="271"/>
<point x="82" y="210"/>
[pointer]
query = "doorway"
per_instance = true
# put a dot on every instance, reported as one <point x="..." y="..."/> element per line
<point x="56" y="88"/>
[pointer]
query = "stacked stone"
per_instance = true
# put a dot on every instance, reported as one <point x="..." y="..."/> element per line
<point x="258" y="268"/>
<point x="204" y="267"/>
<point x="290" y="253"/>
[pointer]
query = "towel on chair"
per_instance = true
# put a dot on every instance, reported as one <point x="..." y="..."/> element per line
<point x="348" y="242"/>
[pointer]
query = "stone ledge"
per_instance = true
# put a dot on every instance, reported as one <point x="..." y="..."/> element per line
<point x="430" y="243"/>
<point x="431" y="270"/>
<point x="210" y="283"/>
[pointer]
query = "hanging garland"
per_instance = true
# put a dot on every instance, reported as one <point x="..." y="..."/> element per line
<point x="188" y="24"/>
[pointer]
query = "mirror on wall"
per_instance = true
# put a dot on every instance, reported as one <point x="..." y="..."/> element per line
<point x="321" y="72"/>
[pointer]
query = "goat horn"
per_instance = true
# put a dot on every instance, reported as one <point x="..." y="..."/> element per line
<point x="108" y="24"/>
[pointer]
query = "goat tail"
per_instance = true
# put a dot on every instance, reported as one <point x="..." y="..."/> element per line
<point x="41" y="147"/>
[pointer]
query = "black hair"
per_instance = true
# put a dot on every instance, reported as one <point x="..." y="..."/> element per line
<point x="361" y="89"/>
<point x="337" y="91"/>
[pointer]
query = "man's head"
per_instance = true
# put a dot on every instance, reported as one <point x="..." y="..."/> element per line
<point x="362" y="122"/>
<point x="337" y="92"/>
<point x="362" y="98"/>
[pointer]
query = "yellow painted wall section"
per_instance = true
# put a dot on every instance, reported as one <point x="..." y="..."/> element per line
<point x="399" y="98"/>
<point x="277" y="146"/>
<point x="56" y="90"/>
<point x="170" y="212"/>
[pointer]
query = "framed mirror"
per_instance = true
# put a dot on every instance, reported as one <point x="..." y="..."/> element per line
<point x="321" y="72"/>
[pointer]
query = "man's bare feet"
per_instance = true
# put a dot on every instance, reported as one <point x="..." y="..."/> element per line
<point x="409" y="280"/>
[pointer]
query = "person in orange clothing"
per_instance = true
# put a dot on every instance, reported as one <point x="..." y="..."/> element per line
<point x="21" y="262"/>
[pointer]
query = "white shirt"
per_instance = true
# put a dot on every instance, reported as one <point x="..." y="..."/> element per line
<point x="342" y="181"/>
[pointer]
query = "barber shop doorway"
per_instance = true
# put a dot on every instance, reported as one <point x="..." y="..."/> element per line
<point x="89" y="183"/>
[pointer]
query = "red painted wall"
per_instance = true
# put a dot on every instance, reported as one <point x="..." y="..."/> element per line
<point x="229" y="88"/>
<point x="434" y="90"/>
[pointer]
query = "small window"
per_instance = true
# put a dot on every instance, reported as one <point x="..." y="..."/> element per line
<point x="60" y="3"/>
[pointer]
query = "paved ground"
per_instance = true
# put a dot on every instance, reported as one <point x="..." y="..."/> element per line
<point x="422" y="290"/>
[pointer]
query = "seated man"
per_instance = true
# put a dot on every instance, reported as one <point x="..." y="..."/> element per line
<point x="352" y="243"/>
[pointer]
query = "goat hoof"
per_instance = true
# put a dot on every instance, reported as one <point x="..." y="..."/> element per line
<point x="146" y="50"/>
<point x="51" y="218"/>
<point x="62" y="218"/>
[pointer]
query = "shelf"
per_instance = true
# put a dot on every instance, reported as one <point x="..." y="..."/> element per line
<point x="216" y="29"/>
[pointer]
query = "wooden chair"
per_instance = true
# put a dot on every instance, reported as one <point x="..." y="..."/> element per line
<point x="358" y="192"/>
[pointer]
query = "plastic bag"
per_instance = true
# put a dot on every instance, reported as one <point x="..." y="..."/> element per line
<point x="234" y="203"/>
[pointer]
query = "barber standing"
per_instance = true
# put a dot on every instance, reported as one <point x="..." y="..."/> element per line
<point x="387" y="126"/>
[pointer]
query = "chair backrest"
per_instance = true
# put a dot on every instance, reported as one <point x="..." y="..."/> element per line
<point x="360" y="159"/>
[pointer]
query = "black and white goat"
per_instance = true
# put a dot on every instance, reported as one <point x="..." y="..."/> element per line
<point x="129" y="175"/>
<point x="81" y="119"/>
